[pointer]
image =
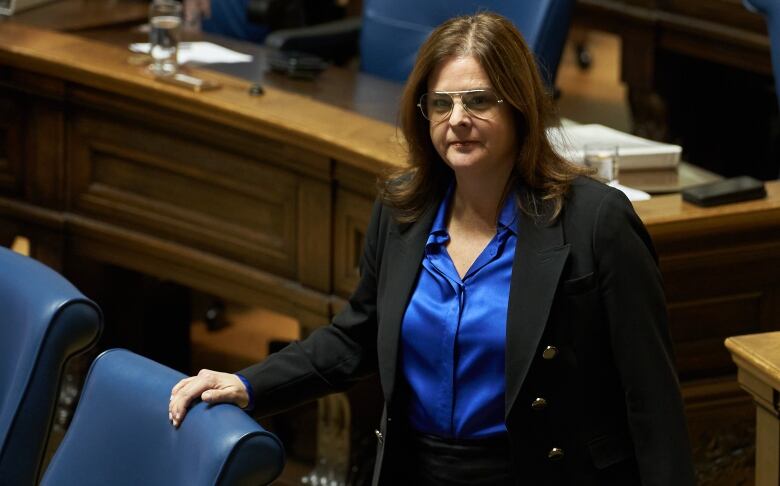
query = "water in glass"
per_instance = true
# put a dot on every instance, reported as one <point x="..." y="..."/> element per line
<point x="164" y="41"/>
<point x="604" y="159"/>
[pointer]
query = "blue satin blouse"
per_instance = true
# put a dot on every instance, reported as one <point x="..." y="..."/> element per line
<point x="454" y="334"/>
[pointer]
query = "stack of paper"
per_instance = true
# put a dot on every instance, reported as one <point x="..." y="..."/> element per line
<point x="635" y="153"/>
<point x="200" y="52"/>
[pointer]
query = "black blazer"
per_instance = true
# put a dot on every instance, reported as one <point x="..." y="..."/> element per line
<point x="586" y="331"/>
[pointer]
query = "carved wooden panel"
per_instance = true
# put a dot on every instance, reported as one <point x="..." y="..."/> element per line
<point x="11" y="142"/>
<point x="698" y="329"/>
<point x="315" y="220"/>
<point x="156" y="179"/>
<point x="353" y="212"/>
<point x="717" y="292"/>
<point x="45" y="153"/>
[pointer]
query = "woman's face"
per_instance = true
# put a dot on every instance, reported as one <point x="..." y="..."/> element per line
<point x="476" y="141"/>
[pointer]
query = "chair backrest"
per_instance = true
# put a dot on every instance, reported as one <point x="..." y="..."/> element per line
<point x="229" y="18"/>
<point x="393" y="30"/>
<point x="120" y="434"/>
<point x="44" y="321"/>
<point x="770" y="9"/>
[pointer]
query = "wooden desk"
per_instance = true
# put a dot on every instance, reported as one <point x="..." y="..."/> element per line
<point x="758" y="358"/>
<point x="264" y="200"/>
<point x="80" y="15"/>
<point x="222" y="191"/>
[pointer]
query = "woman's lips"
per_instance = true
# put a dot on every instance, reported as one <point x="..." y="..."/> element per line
<point x="463" y="143"/>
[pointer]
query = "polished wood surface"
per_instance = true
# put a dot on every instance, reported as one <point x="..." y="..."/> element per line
<point x="79" y="15"/>
<point x="669" y="215"/>
<point x="348" y="89"/>
<point x="758" y="354"/>
<point x="758" y="358"/>
<point x="286" y="116"/>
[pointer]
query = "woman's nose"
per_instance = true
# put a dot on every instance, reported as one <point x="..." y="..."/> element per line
<point x="459" y="114"/>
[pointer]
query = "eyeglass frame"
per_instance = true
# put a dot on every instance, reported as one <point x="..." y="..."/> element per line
<point x="460" y="100"/>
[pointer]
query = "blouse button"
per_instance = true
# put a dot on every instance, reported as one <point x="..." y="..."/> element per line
<point x="379" y="436"/>
<point x="550" y="352"/>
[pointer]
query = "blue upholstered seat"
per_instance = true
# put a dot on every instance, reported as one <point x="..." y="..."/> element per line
<point x="44" y="321"/>
<point x="120" y="434"/>
<point x="229" y="18"/>
<point x="770" y="9"/>
<point x="393" y="30"/>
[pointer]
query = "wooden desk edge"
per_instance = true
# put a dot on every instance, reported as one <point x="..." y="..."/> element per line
<point x="749" y="359"/>
<point x="669" y="215"/>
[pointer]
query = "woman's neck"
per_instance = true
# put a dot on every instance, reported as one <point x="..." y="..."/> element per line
<point x="477" y="200"/>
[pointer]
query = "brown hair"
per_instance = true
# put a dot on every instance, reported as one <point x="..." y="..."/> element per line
<point x="501" y="50"/>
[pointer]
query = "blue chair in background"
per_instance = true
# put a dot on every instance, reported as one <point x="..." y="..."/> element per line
<point x="44" y="321"/>
<point x="251" y="20"/>
<point x="770" y="9"/>
<point x="230" y="18"/>
<point x="120" y="434"/>
<point x="392" y="31"/>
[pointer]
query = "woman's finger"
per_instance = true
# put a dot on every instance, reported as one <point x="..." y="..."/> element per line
<point x="182" y="400"/>
<point x="229" y="389"/>
<point x="178" y="386"/>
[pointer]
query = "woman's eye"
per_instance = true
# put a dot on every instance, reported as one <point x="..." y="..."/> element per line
<point x="478" y="102"/>
<point x="441" y="104"/>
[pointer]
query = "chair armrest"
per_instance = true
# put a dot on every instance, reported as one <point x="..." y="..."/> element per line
<point x="337" y="41"/>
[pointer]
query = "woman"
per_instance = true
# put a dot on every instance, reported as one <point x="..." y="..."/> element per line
<point x="512" y="307"/>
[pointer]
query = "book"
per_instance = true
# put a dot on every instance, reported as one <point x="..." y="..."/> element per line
<point x="634" y="153"/>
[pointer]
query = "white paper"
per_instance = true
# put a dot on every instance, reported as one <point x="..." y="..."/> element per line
<point x="631" y="193"/>
<point x="635" y="152"/>
<point x="201" y="53"/>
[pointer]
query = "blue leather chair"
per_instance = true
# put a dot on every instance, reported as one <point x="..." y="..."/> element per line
<point x="44" y="321"/>
<point x="770" y="9"/>
<point x="393" y="30"/>
<point x="120" y="434"/>
<point x="229" y="18"/>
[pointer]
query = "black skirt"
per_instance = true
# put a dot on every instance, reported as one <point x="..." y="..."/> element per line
<point x="432" y="461"/>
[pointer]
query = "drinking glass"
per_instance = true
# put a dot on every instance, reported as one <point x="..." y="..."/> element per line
<point x="603" y="158"/>
<point x="164" y="23"/>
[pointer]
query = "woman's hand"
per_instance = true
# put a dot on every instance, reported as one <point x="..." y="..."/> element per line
<point x="209" y="386"/>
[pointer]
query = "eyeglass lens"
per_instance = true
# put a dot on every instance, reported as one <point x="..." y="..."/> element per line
<point x="438" y="106"/>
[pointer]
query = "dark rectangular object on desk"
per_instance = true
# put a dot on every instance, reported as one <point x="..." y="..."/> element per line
<point x="727" y="191"/>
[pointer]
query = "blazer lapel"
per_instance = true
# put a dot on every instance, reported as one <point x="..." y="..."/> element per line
<point x="540" y="255"/>
<point x="401" y="264"/>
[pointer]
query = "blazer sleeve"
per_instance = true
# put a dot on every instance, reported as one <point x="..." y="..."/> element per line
<point x="333" y="357"/>
<point x="632" y="294"/>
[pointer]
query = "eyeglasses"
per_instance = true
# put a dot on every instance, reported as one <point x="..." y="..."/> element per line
<point x="437" y="106"/>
